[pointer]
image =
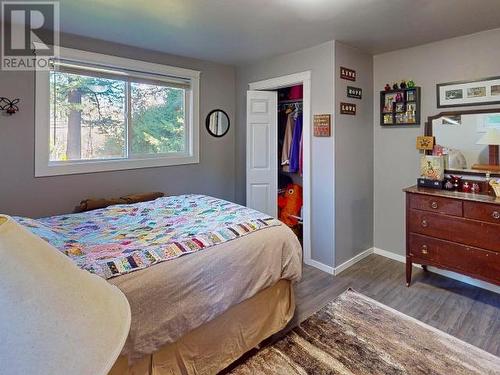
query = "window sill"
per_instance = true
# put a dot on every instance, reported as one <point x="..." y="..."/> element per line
<point x="95" y="166"/>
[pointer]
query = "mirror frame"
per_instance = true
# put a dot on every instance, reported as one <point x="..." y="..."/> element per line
<point x="428" y="132"/>
<point x="207" y="123"/>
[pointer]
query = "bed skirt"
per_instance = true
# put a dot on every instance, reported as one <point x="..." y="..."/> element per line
<point x="213" y="346"/>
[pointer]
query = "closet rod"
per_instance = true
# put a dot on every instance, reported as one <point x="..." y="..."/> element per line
<point x="290" y="101"/>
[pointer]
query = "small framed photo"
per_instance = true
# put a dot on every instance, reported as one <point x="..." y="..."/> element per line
<point x="484" y="91"/>
<point x="389" y="100"/>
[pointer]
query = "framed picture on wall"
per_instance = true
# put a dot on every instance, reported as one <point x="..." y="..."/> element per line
<point x="483" y="91"/>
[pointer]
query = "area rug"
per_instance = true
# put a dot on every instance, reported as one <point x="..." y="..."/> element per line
<point x="355" y="334"/>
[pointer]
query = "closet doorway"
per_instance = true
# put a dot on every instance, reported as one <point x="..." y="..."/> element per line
<point x="278" y="158"/>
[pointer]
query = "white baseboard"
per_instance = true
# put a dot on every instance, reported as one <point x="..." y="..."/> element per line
<point x="352" y="261"/>
<point x="450" y="274"/>
<point x="321" y="266"/>
<point x="389" y="254"/>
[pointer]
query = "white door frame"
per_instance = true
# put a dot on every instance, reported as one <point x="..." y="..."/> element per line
<point x="304" y="79"/>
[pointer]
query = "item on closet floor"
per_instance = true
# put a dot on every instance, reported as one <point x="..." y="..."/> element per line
<point x="290" y="204"/>
<point x="348" y="74"/>
<point x="348" y="109"/>
<point x="322" y="125"/>
<point x="387" y="87"/>
<point x="400" y="106"/>
<point x="425" y="182"/>
<point x="402" y="85"/>
<point x="354" y="92"/>
<point x="432" y="167"/>
<point x="484" y="91"/>
<point x="425" y="143"/>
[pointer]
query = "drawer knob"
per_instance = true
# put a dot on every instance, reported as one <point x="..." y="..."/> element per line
<point x="495" y="215"/>
<point x="434" y="205"/>
<point x="425" y="249"/>
<point x="424" y="223"/>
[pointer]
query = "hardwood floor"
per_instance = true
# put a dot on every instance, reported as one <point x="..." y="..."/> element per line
<point x="466" y="312"/>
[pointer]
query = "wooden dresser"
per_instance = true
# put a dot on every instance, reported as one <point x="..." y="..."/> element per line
<point x="455" y="231"/>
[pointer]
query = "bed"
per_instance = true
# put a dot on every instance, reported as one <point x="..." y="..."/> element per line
<point x="206" y="279"/>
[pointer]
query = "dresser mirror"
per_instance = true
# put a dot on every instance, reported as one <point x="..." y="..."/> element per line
<point x="468" y="139"/>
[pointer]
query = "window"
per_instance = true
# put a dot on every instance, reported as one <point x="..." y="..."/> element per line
<point x="100" y="113"/>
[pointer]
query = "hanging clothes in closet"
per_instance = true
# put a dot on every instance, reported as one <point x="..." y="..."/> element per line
<point x="287" y="141"/>
<point x="296" y="141"/>
<point x="292" y="141"/>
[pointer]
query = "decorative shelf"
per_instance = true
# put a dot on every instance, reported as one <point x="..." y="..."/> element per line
<point x="400" y="107"/>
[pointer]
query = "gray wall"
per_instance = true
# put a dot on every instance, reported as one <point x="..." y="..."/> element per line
<point x="22" y="194"/>
<point x="320" y="61"/>
<point x="396" y="160"/>
<point x="353" y="157"/>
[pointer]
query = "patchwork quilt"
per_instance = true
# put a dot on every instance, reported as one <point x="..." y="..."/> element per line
<point x="124" y="238"/>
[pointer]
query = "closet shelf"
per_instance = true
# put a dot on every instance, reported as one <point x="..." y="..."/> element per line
<point x="290" y="101"/>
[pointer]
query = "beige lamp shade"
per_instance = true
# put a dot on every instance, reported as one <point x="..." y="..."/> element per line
<point x="492" y="137"/>
<point x="54" y="317"/>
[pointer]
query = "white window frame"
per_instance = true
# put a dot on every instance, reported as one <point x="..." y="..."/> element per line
<point x="45" y="167"/>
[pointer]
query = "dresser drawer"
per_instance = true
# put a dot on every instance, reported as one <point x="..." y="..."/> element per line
<point x="468" y="232"/>
<point x="482" y="211"/>
<point x="478" y="262"/>
<point x="422" y="247"/>
<point x="441" y="205"/>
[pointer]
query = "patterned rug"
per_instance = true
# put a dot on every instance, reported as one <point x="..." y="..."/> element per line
<point x="356" y="335"/>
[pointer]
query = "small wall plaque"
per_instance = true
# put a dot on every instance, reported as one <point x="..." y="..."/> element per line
<point x="346" y="73"/>
<point x="348" y="109"/>
<point x="425" y="143"/>
<point x="354" y="92"/>
<point x="322" y="125"/>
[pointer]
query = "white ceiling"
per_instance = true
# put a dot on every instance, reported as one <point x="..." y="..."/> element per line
<point x="238" y="31"/>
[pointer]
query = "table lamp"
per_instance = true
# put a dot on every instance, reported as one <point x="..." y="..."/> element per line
<point x="492" y="139"/>
<point x="55" y="319"/>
